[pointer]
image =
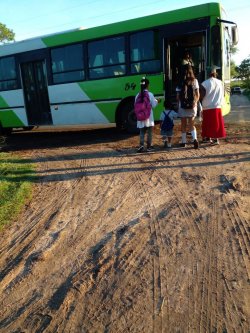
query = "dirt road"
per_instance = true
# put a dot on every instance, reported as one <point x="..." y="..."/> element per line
<point x="115" y="241"/>
<point x="240" y="109"/>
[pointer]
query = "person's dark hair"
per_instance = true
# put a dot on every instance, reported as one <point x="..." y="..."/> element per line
<point x="144" y="85"/>
<point x="167" y="104"/>
<point x="186" y="53"/>
<point x="189" y="73"/>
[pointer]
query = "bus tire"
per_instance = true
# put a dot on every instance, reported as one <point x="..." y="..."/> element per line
<point x="126" y="119"/>
<point x="6" y="131"/>
<point x="28" y="128"/>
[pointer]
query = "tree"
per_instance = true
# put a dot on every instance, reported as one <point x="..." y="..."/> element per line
<point x="6" y="35"/>
<point x="233" y="71"/>
<point x="243" y="69"/>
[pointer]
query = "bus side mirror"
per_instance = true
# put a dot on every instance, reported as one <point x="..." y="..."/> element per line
<point x="235" y="35"/>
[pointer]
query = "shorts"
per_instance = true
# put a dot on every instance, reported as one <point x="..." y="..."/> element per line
<point x="167" y="133"/>
<point x="187" y="113"/>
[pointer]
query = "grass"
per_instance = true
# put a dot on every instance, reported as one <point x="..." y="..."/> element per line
<point x="16" y="179"/>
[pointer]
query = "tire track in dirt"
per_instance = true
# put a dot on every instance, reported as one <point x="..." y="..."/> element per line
<point x="239" y="228"/>
<point x="186" y="211"/>
<point x="133" y="259"/>
<point x="126" y="277"/>
<point x="212" y="266"/>
<point x="31" y="233"/>
<point x="56" y="297"/>
<point x="209" y="272"/>
<point x="129" y="257"/>
<point x="34" y="256"/>
<point x="234" y="307"/>
<point x="189" y="212"/>
<point x="157" y="264"/>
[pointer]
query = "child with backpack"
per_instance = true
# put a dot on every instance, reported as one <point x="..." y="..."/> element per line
<point x="188" y="97"/>
<point x="144" y="102"/>
<point x="167" y="124"/>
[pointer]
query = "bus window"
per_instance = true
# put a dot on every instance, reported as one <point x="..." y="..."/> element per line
<point x="144" y="52"/>
<point x="226" y="55"/>
<point x="8" y="77"/>
<point x="67" y="64"/>
<point x="106" y="58"/>
<point x="216" y="46"/>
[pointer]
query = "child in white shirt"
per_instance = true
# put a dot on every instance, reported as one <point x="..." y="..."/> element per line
<point x="167" y="134"/>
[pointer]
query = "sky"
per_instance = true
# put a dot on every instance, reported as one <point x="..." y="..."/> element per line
<point x="30" y="18"/>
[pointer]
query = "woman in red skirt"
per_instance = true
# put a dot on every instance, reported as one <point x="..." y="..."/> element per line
<point x="212" y="94"/>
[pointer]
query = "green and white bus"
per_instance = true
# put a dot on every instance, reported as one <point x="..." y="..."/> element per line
<point x="91" y="76"/>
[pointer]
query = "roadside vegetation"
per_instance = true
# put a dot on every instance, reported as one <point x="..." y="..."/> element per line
<point x="16" y="179"/>
<point x="241" y="74"/>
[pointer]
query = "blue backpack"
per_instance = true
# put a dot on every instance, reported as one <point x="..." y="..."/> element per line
<point x="167" y="123"/>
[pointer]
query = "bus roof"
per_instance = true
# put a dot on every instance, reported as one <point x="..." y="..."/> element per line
<point x="141" y="23"/>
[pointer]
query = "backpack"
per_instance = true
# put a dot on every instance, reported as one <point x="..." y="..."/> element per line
<point x="142" y="106"/>
<point x="187" y="96"/>
<point x="167" y="123"/>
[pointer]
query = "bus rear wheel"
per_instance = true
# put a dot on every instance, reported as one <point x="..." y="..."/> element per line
<point x="28" y="128"/>
<point x="5" y="130"/>
<point x="127" y="118"/>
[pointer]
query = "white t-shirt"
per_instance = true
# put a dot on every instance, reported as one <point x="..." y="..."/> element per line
<point x="150" y="121"/>
<point x="214" y="93"/>
<point x="172" y="114"/>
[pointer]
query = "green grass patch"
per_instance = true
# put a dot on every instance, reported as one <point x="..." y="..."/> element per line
<point x="16" y="183"/>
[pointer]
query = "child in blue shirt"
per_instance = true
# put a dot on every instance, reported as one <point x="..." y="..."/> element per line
<point x="167" y="134"/>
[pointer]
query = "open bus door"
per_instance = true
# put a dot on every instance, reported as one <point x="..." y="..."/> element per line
<point x="174" y="49"/>
<point x="36" y="92"/>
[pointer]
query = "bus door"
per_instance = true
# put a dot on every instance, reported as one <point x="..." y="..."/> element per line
<point x="174" y="50"/>
<point x="36" y="92"/>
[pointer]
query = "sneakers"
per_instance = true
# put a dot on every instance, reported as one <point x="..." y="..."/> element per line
<point x="215" y="142"/>
<point x="183" y="144"/>
<point x="196" y="144"/>
<point x="140" y="149"/>
<point x="167" y="144"/>
<point x="151" y="148"/>
<point x="206" y="140"/>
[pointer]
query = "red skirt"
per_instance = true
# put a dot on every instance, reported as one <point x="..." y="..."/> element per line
<point x="213" y="124"/>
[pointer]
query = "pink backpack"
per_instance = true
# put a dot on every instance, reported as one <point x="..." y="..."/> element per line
<point x="142" y="106"/>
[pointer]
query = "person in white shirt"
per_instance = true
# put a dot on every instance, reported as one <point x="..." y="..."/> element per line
<point x="212" y="96"/>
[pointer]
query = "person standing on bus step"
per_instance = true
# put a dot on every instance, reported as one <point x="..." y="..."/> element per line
<point x="148" y="124"/>
<point x="188" y="115"/>
<point x="212" y="95"/>
<point x="187" y="59"/>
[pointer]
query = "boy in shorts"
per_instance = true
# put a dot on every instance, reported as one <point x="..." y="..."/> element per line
<point x="167" y="127"/>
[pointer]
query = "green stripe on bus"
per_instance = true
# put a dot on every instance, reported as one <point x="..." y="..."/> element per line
<point x="3" y="104"/>
<point x="179" y="15"/>
<point x="107" y="110"/>
<point x="10" y="119"/>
